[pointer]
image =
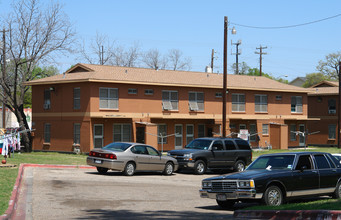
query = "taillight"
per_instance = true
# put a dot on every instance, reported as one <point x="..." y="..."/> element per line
<point x="113" y="156"/>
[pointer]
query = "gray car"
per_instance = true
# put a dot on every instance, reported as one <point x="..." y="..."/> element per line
<point x="130" y="158"/>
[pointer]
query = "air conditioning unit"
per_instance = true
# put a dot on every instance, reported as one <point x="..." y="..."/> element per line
<point x="46" y="106"/>
<point x="332" y="111"/>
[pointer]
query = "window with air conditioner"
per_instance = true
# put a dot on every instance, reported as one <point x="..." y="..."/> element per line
<point x="170" y="100"/>
<point x="47" y="99"/>
<point x="331" y="106"/>
<point x="196" y="101"/>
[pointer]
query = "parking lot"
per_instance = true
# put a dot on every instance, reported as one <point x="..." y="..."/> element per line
<point x="55" y="193"/>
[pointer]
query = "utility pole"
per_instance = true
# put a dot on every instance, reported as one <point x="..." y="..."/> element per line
<point x="260" y="57"/>
<point x="237" y="54"/>
<point x="339" y="110"/>
<point x="102" y="62"/>
<point x="212" y="59"/>
<point x="4" y="100"/>
<point x="225" y="75"/>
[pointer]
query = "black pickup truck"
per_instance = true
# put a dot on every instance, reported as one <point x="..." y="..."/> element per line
<point x="214" y="153"/>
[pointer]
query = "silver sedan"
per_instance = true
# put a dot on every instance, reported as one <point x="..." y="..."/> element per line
<point x="130" y="158"/>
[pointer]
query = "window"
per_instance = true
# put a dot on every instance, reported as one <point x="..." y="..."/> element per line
<point x="238" y="102"/>
<point x="152" y="151"/>
<point x="47" y="98"/>
<point x="189" y="133"/>
<point x="162" y="130"/>
<point x="148" y="92"/>
<point x="132" y="91"/>
<point x="178" y="135"/>
<point x="331" y="131"/>
<point x="122" y="133"/>
<point x="321" y="162"/>
<point x="253" y="132"/>
<point x="304" y="161"/>
<point x="47" y="133"/>
<point x="108" y="98"/>
<point x="296" y="104"/>
<point x="196" y="101"/>
<point x="292" y="132"/>
<point x="170" y="100"/>
<point x="265" y="129"/>
<point x="201" y="130"/>
<point x="278" y="97"/>
<point x="261" y="103"/>
<point x="76" y="98"/>
<point x="218" y="145"/>
<point x="229" y="145"/>
<point x="331" y="106"/>
<point x="76" y="133"/>
<point x="218" y="94"/>
<point x="242" y="144"/>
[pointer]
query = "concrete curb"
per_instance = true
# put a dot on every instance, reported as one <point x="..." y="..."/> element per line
<point x="12" y="205"/>
<point x="287" y="214"/>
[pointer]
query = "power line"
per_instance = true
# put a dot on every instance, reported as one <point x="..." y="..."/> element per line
<point x="288" y="26"/>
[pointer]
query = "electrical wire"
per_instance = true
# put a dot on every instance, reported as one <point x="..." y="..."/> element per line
<point x="288" y="26"/>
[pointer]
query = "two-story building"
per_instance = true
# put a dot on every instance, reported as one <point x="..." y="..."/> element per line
<point x="93" y="105"/>
<point x="323" y="103"/>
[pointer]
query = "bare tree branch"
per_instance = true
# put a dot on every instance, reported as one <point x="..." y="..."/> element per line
<point x="37" y="33"/>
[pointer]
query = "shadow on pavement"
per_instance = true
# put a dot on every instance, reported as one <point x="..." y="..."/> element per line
<point x="127" y="214"/>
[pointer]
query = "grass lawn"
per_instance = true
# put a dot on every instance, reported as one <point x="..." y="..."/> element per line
<point x="9" y="175"/>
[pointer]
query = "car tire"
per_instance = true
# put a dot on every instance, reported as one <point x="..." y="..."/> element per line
<point x="102" y="170"/>
<point x="129" y="169"/>
<point x="199" y="167"/>
<point x="273" y="196"/>
<point x="169" y="169"/>
<point x="228" y="204"/>
<point x="239" y="166"/>
<point x="337" y="192"/>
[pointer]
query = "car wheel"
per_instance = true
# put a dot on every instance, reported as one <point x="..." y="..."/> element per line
<point x="226" y="204"/>
<point x="102" y="170"/>
<point x="239" y="166"/>
<point x="273" y="196"/>
<point x="199" y="167"/>
<point x="337" y="192"/>
<point x="129" y="169"/>
<point x="169" y="168"/>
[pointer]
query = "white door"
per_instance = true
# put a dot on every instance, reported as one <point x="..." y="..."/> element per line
<point x="178" y="136"/>
<point x="98" y="136"/>
<point x="302" y="137"/>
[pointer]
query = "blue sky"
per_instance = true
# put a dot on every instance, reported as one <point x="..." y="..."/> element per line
<point x="196" y="27"/>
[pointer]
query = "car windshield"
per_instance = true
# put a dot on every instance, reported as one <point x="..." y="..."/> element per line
<point x="118" y="147"/>
<point x="282" y="162"/>
<point x="199" y="144"/>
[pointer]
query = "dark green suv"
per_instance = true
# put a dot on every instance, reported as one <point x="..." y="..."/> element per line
<point x="214" y="153"/>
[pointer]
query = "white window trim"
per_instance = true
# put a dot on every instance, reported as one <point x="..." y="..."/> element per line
<point x="297" y="105"/>
<point x="193" y="104"/>
<point x="238" y="103"/>
<point x="261" y="103"/>
<point x="167" y="103"/>
<point x="267" y="125"/>
<point x="115" y="99"/>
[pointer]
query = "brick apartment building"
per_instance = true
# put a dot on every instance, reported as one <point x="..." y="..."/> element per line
<point x="323" y="104"/>
<point x="93" y="105"/>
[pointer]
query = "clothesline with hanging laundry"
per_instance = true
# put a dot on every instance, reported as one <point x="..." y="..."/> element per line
<point x="9" y="142"/>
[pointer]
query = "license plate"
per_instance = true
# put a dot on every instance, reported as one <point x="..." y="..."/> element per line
<point x="221" y="197"/>
<point x="98" y="161"/>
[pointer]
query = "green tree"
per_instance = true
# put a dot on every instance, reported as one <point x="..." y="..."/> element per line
<point x="38" y="73"/>
<point x="314" y="78"/>
<point x="243" y="68"/>
<point x="330" y="66"/>
<point x="37" y="33"/>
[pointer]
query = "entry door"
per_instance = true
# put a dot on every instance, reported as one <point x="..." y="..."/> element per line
<point x="140" y="135"/>
<point x="98" y="135"/>
<point x="302" y="138"/>
<point x="178" y="136"/>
